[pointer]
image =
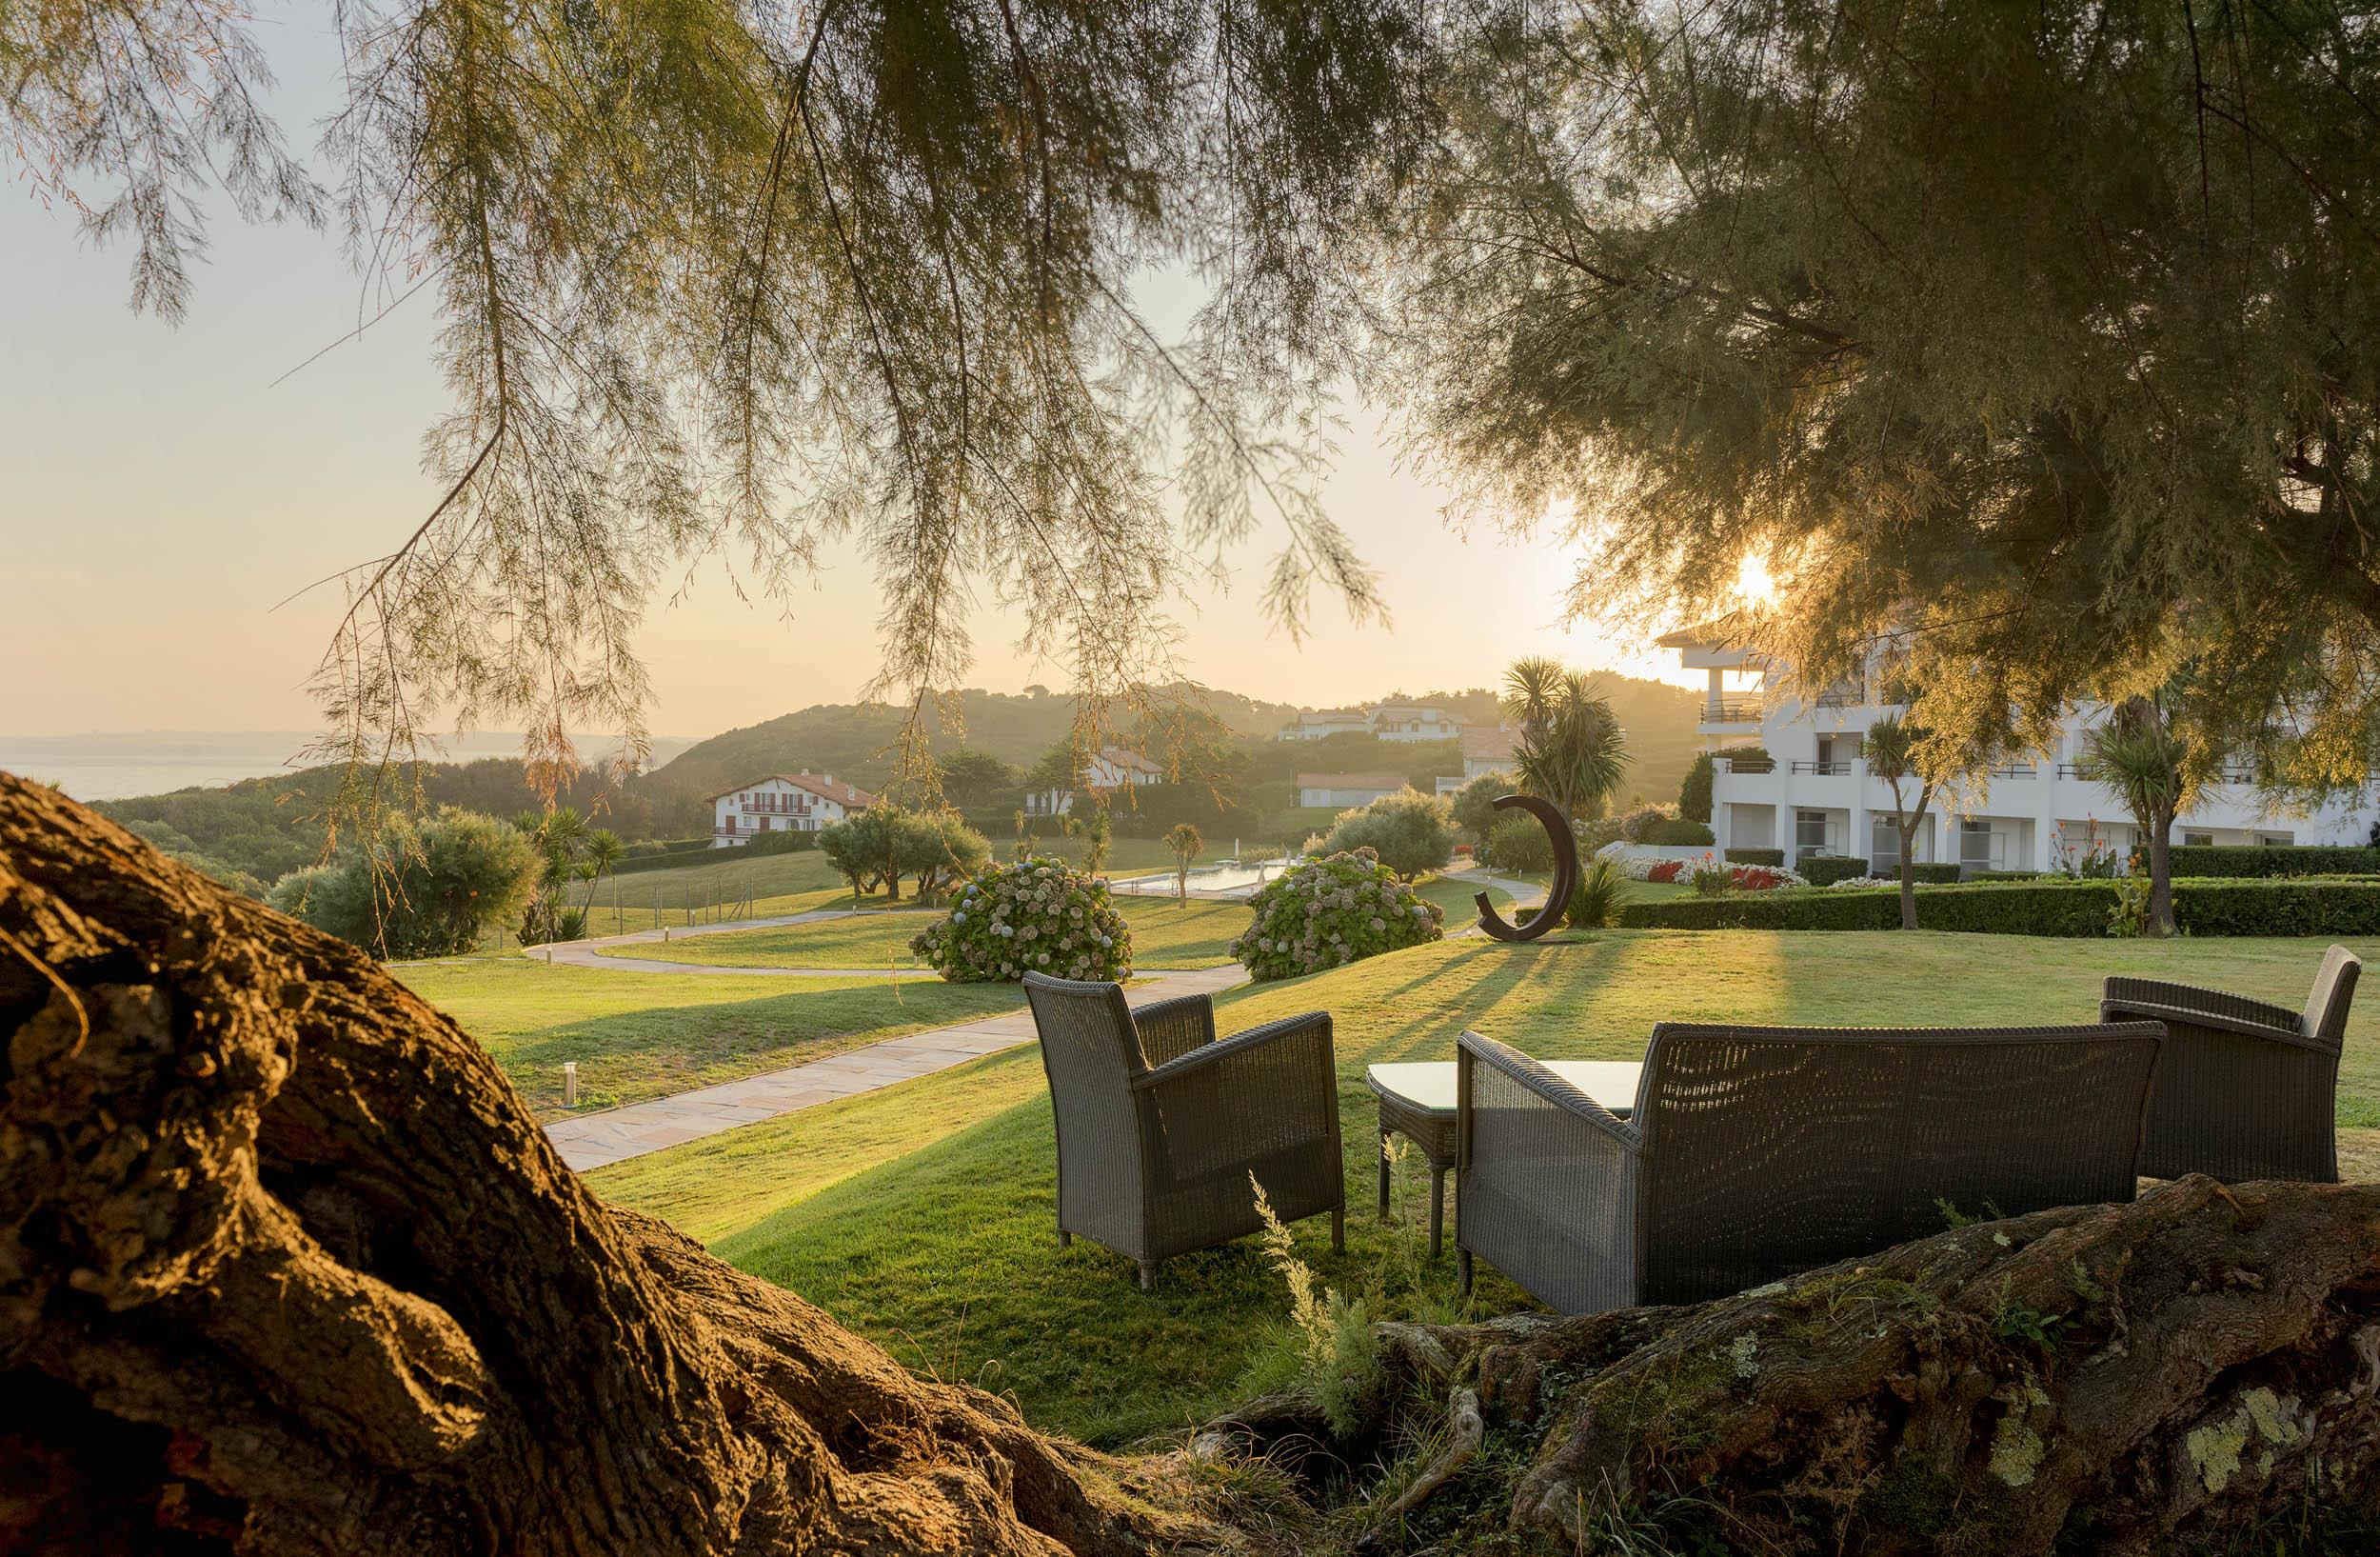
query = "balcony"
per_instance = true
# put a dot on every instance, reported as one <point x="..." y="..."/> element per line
<point x="1838" y="767"/>
<point x="1731" y="710"/>
<point x="1748" y="765"/>
<point x="2023" y="770"/>
<point x="1843" y="695"/>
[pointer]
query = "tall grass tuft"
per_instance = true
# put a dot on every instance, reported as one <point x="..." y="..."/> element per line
<point x="1326" y="1352"/>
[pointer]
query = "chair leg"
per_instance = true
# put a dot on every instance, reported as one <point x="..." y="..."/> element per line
<point x="1338" y="1229"/>
<point x="1462" y="1272"/>
<point x="1437" y="1211"/>
<point x="1148" y="1275"/>
<point x="1064" y="1238"/>
<point x="1383" y="1175"/>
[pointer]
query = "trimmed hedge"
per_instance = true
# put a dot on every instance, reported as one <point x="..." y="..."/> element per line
<point x="1929" y="874"/>
<point x="1826" y="870"/>
<point x="1756" y="856"/>
<point x="667" y="856"/>
<point x="2301" y="905"/>
<point x="1678" y="833"/>
<point x="2292" y="860"/>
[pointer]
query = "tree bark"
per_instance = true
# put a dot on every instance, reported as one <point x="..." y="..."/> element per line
<point x="286" y="1267"/>
<point x="2122" y="1379"/>
<point x="2161" y="877"/>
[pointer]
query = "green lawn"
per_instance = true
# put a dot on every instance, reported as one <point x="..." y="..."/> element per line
<point x="643" y="1035"/>
<point x="1165" y="933"/>
<point x="923" y="1215"/>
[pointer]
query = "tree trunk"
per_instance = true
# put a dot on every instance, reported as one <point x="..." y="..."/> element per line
<point x="2125" y="1378"/>
<point x="2161" y="878"/>
<point x="285" y="1266"/>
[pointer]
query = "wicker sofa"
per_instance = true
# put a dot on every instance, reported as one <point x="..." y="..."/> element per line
<point x="1756" y="1152"/>
<point x="1160" y="1125"/>
<point x="2247" y="1089"/>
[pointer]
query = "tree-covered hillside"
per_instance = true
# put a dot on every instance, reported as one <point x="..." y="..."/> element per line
<point x="1221" y="742"/>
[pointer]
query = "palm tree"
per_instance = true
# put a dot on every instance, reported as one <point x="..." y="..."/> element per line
<point x="2140" y="756"/>
<point x="1570" y="748"/>
<point x="598" y="857"/>
<point x="1891" y="750"/>
<point x="1185" y="845"/>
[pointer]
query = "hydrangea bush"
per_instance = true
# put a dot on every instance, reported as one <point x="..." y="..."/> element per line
<point x="1331" y="911"/>
<point x="1034" y="916"/>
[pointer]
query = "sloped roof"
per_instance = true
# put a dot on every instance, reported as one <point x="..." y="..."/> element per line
<point x="1486" y="743"/>
<point x="1702" y="635"/>
<point x="1131" y="762"/>
<point x="850" y="796"/>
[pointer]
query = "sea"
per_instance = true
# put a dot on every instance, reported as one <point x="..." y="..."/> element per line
<point x="117" y="764"/>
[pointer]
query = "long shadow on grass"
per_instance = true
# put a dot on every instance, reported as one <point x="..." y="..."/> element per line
<point x="652" y="1050"/>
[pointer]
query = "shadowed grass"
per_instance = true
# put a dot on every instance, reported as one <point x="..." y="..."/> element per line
<point x="924" y="1216"/>
<point x="643" y="1035"/>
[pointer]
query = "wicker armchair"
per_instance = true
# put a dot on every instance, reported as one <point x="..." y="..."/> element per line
<point x="2247" y="1089"/>
<point x="1756" y="1152"/>
<point x="1160" y="1125"/>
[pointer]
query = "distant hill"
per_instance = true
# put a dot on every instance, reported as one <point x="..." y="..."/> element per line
<point x="262" y="828"/>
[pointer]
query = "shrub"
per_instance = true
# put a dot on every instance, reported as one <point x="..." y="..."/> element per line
<point x="1929" y="872"/>
<point x="2335" y="908"/>
<point x="1693" y="794"/>
<point x="1409" y="831"/>
<point x="1601" y="890"/>
<point x="439" y="886"/>
<point x="1520" y="843"/>
<point x="1756" y="856"/>
<point x="1634" y="825"/>
<point x="1475" y="803"/>
<point x="1034" y="915"/>
<point x="1826" y="870"/>
<point x="1331" y="911"/>
<point x="1678" y="833"/>
<point x="2295" y="859"/>
<point x="1710" y="880"/>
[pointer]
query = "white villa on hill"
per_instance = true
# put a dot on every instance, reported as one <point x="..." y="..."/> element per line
<point x="1384" y="721"/>
<point x="1345" y="790"/>
<point x="1109" y="768"/>
<point x="783" y="802"/>
<point x="1811" y="792"/>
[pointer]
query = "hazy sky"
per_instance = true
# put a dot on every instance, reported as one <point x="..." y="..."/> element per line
<point x="163" y="493"/>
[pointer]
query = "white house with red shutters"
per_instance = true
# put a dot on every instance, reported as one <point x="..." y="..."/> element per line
<point x="1107" y="771"/>
<point x="783" y="802"/>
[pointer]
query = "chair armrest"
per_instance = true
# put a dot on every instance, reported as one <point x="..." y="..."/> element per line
<point x="1170" y="1028"/>
<point x="1553" y="1089"/>
<point x="1311" y="1026"/>
<point x="1257" y="1095"/>
<point x="1547" y="1182"/>
<point x="2156" y="1000"/>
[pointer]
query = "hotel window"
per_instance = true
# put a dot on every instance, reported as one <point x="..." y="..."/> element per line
<point x="1809" y="834"/>
<point x="2273" y="840"/>
<point x="2199" y="840"/>
<point x="1978" y="846"/>
<point x="1884" y="845"/>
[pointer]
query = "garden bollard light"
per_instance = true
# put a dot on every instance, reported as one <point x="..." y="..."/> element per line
<point x="569" y="1084"/>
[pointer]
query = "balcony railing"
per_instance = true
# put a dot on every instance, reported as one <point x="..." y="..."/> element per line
<point x="2015" y="770"/>
<point x="1835" y="768"/>
<point x="1847" y="696"/>
<point x="1731" y="710"/>
<point x="1749" y="765"/>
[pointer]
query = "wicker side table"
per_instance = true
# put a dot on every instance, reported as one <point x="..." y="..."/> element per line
<point x="1416" y="1101"/>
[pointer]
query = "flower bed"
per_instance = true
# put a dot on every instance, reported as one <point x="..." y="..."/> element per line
<point x="1746" y="878"/>
<point x="1034" y="916"/>
<point x="1331" y="911"/>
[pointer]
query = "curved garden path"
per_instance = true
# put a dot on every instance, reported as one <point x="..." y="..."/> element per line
<point x="596" y="1140"/>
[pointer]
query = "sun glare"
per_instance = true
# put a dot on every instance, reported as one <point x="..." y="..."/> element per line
<point x="1752" y="581"/>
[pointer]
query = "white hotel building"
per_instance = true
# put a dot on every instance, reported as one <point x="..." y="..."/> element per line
<point x="1811" y="793"/>
<point x="783" y="802"/>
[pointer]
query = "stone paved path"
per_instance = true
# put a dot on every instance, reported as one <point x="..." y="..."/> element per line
<point x="618" y="1134"/>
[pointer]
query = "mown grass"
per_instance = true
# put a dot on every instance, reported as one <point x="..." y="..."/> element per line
<point x="1166" y="933"/>
<point x="645" y="1035"/>
<point x="923" y="1215"/>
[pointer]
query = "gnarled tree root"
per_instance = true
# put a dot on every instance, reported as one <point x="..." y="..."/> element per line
<point x="2118" y="1376"/>
<point x="286" y="1267"/>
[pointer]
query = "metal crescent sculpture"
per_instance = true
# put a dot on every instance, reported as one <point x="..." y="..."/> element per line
<point x="1565" y="875"/>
